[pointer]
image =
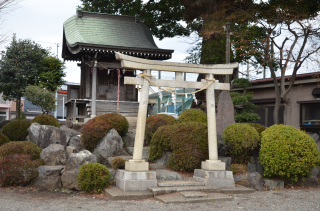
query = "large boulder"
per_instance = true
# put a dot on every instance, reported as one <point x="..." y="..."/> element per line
<point x="226" y="160"/>
<point x="253" y="180"/>
<point x="49" y="177"/>
<point x="75" y="142"/>
<point x="69" y="132"/>
<point x="69" y="180"/>
<point x="74" y="162"/>
<point x="145" y="151"/>
<point x="111" y="145"/>
<point x="162" y="162"/>
<point x="129" y="139"/>
<point x="54" y="155"/>
<point x="255" y="166"/>
<point x="44" y="135"/>
<point x="273" y="183"/>
<point x="310" y="181"/>
<point x="222" y="148"/>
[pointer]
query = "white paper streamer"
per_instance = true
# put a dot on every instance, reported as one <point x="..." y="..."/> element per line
<point x="194" y="98"/>
<point x="174" y="99"/>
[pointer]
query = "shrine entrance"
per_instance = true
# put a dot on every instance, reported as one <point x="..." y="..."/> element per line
<point x="212" y="171"/>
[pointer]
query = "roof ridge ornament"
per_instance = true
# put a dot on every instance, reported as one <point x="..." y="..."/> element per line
<point x="137" y="18"/>
<point x="79" y="12"/>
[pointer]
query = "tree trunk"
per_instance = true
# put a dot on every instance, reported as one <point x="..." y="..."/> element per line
<point x="18" y="105"/>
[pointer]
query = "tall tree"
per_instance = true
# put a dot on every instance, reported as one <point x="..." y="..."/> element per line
<point x="282" y="35"/>
<point x="51" y="73"/>
<point x="163" y="17"/>
<point x="22" y="65"/>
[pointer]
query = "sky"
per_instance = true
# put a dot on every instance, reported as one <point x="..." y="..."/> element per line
<point x="42" y="22"/>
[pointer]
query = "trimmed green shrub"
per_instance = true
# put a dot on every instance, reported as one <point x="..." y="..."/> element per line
<point x="99" y="126"/>
<point x="241" y="139"/>
<point x="118" y="163"/>
<point x="17" y="130"/>
<point x="93" y="177"/>
<point x="18" y="169"/>
<point x="188" y="141"/>
<point x="239" y="168"/>
<point x="193" y="115"/>
<point x="161" y="142"/>
<point x="46" y="119"/>
<point x="287" y="152"/>
<point x="259" y="128"/>
<point x="3" y="139"/>
<point x="21" y="147"/>
<point x="156" y="121"/>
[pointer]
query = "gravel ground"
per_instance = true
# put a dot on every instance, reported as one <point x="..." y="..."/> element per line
<point x="22" y="199"/>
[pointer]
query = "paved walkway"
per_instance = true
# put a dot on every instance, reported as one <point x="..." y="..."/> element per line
<point x="284" y="200"/>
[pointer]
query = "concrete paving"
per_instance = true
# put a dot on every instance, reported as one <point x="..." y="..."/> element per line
<point x="178" y="198"/>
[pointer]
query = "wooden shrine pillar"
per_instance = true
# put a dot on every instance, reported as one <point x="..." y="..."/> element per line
<point x="94" y="91"/>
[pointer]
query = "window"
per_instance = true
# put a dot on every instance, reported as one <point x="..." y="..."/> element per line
<point x="310" y="114"/>
<point x="3" y="115"/>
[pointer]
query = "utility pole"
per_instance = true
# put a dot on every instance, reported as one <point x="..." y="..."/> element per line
<point x="159" y="101"/>
<point x="248" y="76"/>
<point x="57" y="49"/>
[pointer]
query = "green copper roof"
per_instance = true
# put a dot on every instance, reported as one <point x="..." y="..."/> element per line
<point x="108" y="30"/>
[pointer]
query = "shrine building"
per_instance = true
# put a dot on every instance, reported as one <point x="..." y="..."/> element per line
<point x="92" y="39"/>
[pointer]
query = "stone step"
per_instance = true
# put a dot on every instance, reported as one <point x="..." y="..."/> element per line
<point x="116" y="193"/>
<point x="180" y="183"/>
<point x="193" y="194"/>
<point x="178" y="198"/>
<point x="165" y="190"/>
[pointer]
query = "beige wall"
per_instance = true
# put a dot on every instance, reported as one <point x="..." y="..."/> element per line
<point x="298" y="93"/>
<point x="13" y="105"/>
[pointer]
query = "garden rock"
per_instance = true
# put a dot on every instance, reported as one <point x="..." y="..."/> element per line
<point x="315" y="171"/>
<point x="225" y="115"/>
<point x="273" y="183"/>
<point x="49" y="177"/>
<point x="163" y="174"/>
<point x="77" y="126"/>
<point x="68" y="124"/>
<point x="309" y="181"/>
<point x="44" y="135"/>
<point x="252" y="180"/>
<point x="69" y="180"/>
<point x="255" y="166"/>
<point x="111" y="145"/>
<point x="74" y="162"/>
<point x="226" y="160"/>
<point x="145" y="152"/>
<point x="69" y="132"/>
<point x="222" y="148"/>
<point x="54" y="155"/>
<point x="75" y="142"/>
<point x="315" y="137"/>
<point x="128" y="139"/>
<point x="162" y="162"/>
<point x="113" y="173"/>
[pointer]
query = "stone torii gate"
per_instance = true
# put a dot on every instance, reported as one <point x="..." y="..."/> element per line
<point x="136" y="175"/>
